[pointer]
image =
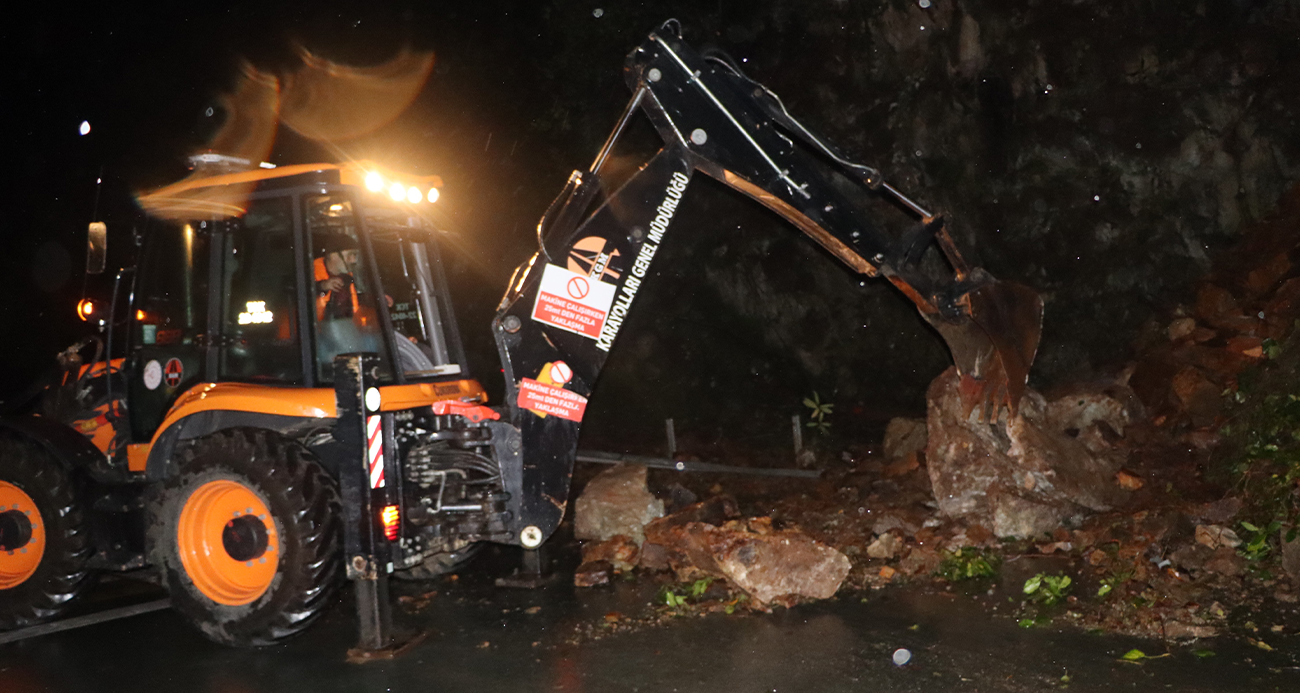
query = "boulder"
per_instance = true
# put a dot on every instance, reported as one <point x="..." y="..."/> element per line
<point x="1216" y="305"/>
<point x="904" y="436"/>
<point x="885" y="546"/>
<point x="1196" y="394"/>
<point x="616" y="502"/>
<point x="1214" y="536"/>
<point x="766" y="563"/>
<point x="1024" y="475"/>
<point x="921" y="560"/>
<point x="619" y="551"/>
<point x="1181" y="328"/>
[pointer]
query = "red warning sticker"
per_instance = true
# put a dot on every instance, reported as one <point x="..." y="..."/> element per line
<point x="544" y="399"/>
<point x="573" y="302"/>
<point x="173" y="372"/>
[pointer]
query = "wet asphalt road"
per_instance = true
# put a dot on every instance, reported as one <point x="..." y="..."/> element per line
<point x="483" y="639"/>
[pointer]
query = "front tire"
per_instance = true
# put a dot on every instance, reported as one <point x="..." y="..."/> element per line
<point x="43" y="541"/>
<point x="246" y="537"/>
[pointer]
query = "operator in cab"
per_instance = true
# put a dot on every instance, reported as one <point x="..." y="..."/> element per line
<point x="336" y="288"/>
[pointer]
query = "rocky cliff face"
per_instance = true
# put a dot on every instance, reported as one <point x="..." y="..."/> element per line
<point x="1100" y="153"/>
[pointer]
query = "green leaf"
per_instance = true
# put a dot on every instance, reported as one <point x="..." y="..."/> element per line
<point x="1025" y="623"/>
<point x="1249" y="527"/>
<point x="1134" y="655"/>
<point x="700" y="587"/>
<point x="1033" y="583"/>
<point x="1104" y="590"/>
<point x="1203" y="654"/>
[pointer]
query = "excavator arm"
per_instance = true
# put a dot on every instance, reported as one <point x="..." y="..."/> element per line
<point x="565" y="307"/>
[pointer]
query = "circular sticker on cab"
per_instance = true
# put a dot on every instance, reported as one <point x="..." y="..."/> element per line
<point x="560" y="373"/>
<point x="152" y="375"/>
<point x="173" y="372"/>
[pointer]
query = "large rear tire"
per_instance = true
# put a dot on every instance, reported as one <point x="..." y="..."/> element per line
<point x="246" y="537"/>
<point x="43" y="542"/>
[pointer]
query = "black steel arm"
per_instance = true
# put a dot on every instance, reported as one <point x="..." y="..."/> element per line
<point x="565" y="306"/>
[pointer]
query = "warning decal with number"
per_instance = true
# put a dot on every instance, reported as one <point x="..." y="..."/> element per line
<point x="546" y="395"/>
<point x="543" y="400"/>
<point x="573" y="302"/>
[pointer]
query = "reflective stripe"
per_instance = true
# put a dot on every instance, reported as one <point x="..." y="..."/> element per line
<point x="375" y="451"/>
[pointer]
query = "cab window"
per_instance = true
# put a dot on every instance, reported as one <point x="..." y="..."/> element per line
<point x="260" y="306"/>
<point x="172" y="301"/>
<point x="344" y="302"/>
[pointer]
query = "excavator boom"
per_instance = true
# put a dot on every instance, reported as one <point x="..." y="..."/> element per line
<point x="564" y="308"/>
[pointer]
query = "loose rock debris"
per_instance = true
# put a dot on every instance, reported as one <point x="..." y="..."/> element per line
<point x="1103" y="482"/>
<point x="704" y="540"/>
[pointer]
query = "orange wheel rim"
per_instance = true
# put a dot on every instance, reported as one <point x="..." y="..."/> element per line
<point x="18" y="512"/>
<point x="227" y="542"/>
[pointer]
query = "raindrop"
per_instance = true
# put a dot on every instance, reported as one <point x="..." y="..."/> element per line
<point x="918" y="152"/>
<point x="902" y="656"/>
<point x="1096" y="198"/>
<point x="209" y="112"/>
<point x="598" y="13"/>
<point x="925" y="4"/>
<point x="1139" y="145"/>
<point x="85" y="127"/>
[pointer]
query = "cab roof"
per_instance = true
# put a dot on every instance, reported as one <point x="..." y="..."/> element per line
<point x="225" y="195"/>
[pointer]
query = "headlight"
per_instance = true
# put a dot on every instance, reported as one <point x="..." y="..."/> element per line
<point x="433" y="194"/>
<point x="374" y="182"/>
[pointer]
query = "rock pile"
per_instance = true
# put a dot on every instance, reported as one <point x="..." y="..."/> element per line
<point x="1250" y="302"/>
<point x="706" y="539"/>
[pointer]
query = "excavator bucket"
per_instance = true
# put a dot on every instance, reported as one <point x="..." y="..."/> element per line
<point x="993" y="345"/>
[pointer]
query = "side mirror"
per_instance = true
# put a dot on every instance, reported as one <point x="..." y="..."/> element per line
<point x="96" y="247"/>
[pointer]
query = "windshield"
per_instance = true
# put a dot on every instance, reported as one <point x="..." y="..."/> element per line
<point x="407" y="260"/>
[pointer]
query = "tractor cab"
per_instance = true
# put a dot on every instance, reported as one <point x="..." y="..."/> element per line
<point x="263" y="277"/>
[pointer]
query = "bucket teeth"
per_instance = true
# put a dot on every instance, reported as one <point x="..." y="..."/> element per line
<point x="993" y="344"/>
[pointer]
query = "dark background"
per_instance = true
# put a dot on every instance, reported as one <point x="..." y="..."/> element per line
<point x="1097" y="152"/>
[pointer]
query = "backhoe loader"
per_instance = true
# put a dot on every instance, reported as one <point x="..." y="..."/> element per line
<point x="279" y="396"/>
